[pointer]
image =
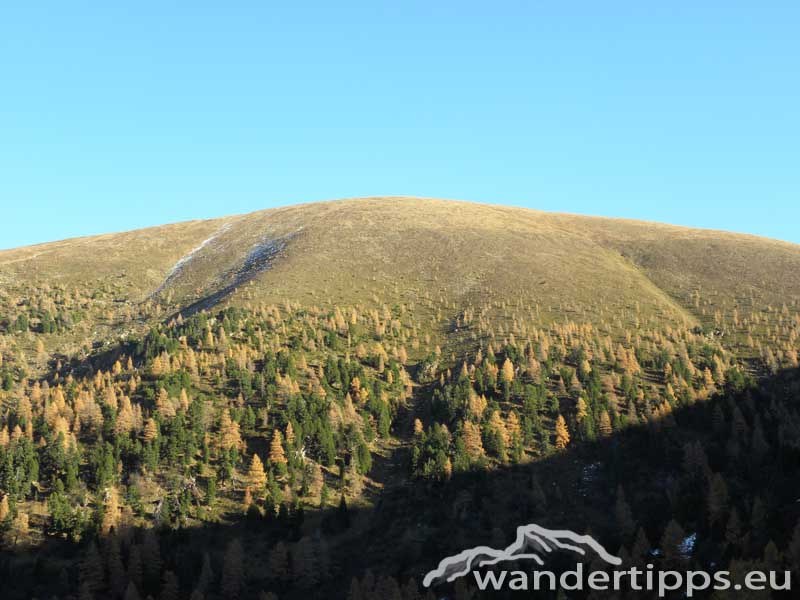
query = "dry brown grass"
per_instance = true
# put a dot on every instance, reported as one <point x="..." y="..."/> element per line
<point x="403" y="248"/>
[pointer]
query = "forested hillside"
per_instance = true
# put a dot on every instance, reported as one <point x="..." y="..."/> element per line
<point x="324" y="400"/>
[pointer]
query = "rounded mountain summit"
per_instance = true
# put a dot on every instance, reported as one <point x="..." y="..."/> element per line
<point x="399" y="249"/>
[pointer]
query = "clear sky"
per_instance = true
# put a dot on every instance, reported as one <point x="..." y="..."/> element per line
<point x="117" y="115"/>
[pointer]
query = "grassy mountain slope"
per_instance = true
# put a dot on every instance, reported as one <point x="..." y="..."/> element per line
<point x="402" y="248"/>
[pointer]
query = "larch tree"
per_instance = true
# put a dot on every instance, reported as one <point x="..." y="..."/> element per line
<point x="290" y="435"/>
<point x="256" y="477"/>
<point x="562" y="433"/>
<point x="277" y="456"/>
<point x="355" y="481"/>
<point x="513" y="427"/>
<point x="164" y="405"/>
<point x="150" y="431"/>
<point x="4" y="510"/>
<point x="110" y="397"/>
<point x="111" y="510"/>
<point x="314" y="479"/>
<point x="604" y="425"/>
<point x="477" y="405"/>
<point x="230" y="436"/>
<point x="581" y="410"/>
<point x="247" y="501"/>
<point x="514" y="431"/>
<point x="156" y="367"/>
<point x="184" y="400"/>
<point x="125" y="417"/>
<point x="507" y="371"/>
<point x="473" y="445"/>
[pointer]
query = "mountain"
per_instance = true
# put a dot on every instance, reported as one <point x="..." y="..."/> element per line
<point x="405" y="248"/>
<point x="323" y="400"/>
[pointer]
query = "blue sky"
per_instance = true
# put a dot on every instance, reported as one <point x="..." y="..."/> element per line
<point x="120" y="115"/>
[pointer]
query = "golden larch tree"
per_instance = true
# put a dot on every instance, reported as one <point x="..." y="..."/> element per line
<point x="473" y="445"/>
<point x="477" y="405"/>
<point x="581" y="410"/>
<point x="497" y="424"/>
<point x="289" y="435"/>
<point x="276" y="453"/>
<point x="508" y="371"/>
<point x="150" y="430"/>
<point x="4" y="510"/>
<point x="248" y="500"/>
<point x="604" y="424"/>
<point x="111" y="510"/>
<point x="164" y="405"/>
<point x="562" y="433"/>
<point x="229" y="434"/>
<point x="513" y="427"/>
<point x="256" y="477"/>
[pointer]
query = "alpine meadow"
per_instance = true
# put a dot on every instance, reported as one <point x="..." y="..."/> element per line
<point x="324" y="400"/>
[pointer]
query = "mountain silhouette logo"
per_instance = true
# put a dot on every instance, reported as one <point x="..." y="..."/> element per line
<point x="532" y="542"/>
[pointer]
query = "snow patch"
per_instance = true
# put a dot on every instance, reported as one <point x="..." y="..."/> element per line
<point x="686" y="547"/>
<point x="259" y="259"/>
<point x="187" y="258"/>
<point x="591" y="472"/>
